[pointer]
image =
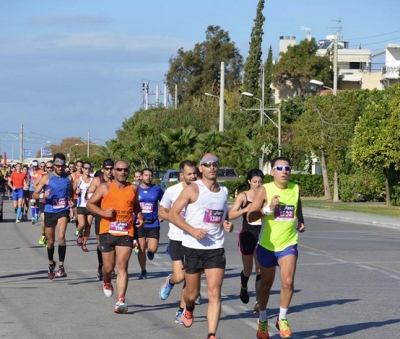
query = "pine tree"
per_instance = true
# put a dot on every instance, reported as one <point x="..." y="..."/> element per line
<point x="252" y="66"/>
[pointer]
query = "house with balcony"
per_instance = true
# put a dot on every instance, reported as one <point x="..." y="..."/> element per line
<point x="390" y="72"/>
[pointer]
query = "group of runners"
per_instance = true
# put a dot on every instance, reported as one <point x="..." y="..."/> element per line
<point x="129" y="214"/>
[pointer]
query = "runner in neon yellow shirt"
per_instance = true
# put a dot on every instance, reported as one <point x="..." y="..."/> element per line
<point x="280" y="205"/>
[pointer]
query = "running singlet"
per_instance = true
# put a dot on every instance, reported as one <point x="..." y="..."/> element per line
<point x="121" y="200"/>
<point x="209" y="212"/>
<point x="33" y="176"/>
<point x="279" y="231"/>
<point x="18" y="179"/>
<point x="169" y="197"/>
<point x="148" y="199"/>
<point x="58" y="199"/>
<point x="81" y="197"/>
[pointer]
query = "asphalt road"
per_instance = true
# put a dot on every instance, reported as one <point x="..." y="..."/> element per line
<point x="346" y="286"/>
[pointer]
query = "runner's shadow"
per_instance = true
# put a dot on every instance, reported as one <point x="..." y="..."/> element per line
<point x="319" y="304"/>
<point x="340" y="331"/>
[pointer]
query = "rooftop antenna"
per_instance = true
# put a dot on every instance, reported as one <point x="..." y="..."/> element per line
<point x="308" y="29"/>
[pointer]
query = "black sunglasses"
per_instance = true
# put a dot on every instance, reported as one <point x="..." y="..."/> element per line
<point x="209" y="164"/>
<point x="126" y="170"/>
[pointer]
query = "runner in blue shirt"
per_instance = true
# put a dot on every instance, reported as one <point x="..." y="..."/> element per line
<point x="148" y="236"/>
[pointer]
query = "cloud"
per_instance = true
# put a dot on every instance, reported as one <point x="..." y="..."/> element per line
<point x="107" y="47"/>
<point x="64" y="20"/>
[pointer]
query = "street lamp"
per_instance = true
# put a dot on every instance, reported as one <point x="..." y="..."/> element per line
<point x="221" y="111"/>
<point x="320" y="84"/>
<point x="262" y="114"/>
<point x="71" y="149"/>
<point x="41" y="148"/>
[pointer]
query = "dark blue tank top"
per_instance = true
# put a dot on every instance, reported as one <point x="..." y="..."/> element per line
<point x="58" y="200"/>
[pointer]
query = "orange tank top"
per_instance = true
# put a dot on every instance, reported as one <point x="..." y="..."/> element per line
<point x="121" y="200"/>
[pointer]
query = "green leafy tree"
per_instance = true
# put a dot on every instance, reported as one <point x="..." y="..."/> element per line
<point x="299" y="65"/>
<point x="197" y="71"/>
<point x="376" y="143"/>
<point x="253" y="64"/>
<point x="325" y="130"/>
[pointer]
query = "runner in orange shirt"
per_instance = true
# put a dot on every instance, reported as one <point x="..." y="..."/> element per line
<point x="119" y="201"/>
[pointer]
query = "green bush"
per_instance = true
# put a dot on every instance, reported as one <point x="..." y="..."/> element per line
<point x="360" y="187"/>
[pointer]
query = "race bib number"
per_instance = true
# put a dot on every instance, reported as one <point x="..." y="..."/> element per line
<point x="284" y="213"/>
<point x="59" y="203"/>
<point x="147" y="207"/>
<point x="118" y="227"/>
<point x="213" y="217"/>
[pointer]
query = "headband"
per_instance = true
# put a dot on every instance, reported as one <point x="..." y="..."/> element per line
<point x="59" y="162"/>
<point x="208" y="158"/>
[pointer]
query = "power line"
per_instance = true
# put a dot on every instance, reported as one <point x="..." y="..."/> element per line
<point x="373" y="36"/>
<point x="379" y="42"/>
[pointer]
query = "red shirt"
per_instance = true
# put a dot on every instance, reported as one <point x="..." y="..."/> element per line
<point x="17" y="179"/>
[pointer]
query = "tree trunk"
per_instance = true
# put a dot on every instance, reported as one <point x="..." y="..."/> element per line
<point x="388" y="202"/>
<point x="327" y="188"/>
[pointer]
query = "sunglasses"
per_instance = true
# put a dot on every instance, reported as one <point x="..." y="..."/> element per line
<point x="209" y="164"/>
<point x="87" y="168"/>
<point x="280" y="168"/>
<point x="126" y="170"/>
<point x="50" y="167"/>
<point x="108" y="168"/>
<point x="58" y="166"/>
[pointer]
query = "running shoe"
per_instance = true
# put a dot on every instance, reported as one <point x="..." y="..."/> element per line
<point x="178" y="317"/>
<point x="79" y="240"/>
<point x="61" y="272"/>
<point x="256" y="309"/>
<point x="114" y="274"/>
<point x="72" y="220"/>
<point x="17" y="220"/>
<point x="143" y="275"/>
<point x="262" y="332"/>
<point x="136" y="250"/>
<point x="198" y="300"/>
<point x="51" y="273"/>
<point x="36" y="218"/>
<point x="84" y="248"/>
<point x="165" y="288"/>
<point x="33" y="221"/>
<point x="76" y="233"/>
<point x="283" y="327"/>
<point x="43" y="240"/>
<point x="99" y="274"/>
<point x="108" y="289"/>
<point x="120" y="306"/>
<point x="244" y="295"/>
<point x="187" y="318"/>
<point x="150" y="255"/>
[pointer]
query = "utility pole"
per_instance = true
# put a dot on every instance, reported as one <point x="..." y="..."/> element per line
<point x="157" y="96"/>
<point x="176" y="97"/>
<point x="222" y="98"/>
<point x="165" y="95"/>
<point x="21" y="144"/>
<point x="88" y="144"/>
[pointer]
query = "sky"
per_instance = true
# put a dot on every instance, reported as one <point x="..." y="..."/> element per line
<point x="73" y="68"/>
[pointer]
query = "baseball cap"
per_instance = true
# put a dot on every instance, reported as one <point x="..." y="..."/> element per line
<point x="108" y="162"/>
<point x="98" y="173"/>
<point x="34" y="163"/>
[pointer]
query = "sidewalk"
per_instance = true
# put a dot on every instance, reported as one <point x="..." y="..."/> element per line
<point x="353" y="217"/>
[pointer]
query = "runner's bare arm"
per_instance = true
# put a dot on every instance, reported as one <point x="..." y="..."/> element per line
<point x="260" y="198"/>
<point x="189" y="195"/>
<point x="163" y="212"/>
<point x="236" y="211"/>
<point x="98" y="194"/>
<point x="136" y="207"/>
<point x="40" y="185"/>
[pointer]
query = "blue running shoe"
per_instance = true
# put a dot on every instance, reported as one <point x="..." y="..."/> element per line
<point x="150" y="255"/>
<point x="165" y="288"/>
<point x="178" y="317"/>
<point x="143" y="275"/>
